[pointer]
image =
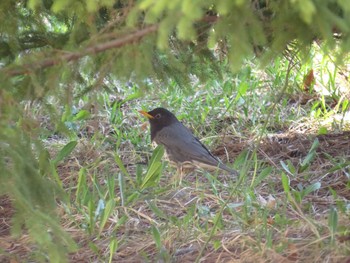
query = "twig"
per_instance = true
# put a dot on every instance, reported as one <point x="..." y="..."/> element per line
<point x="28" y="68"/>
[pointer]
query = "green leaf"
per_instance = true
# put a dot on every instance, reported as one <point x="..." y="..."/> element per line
<point x="81" y="183"/>
<point x="154" y="168"/>
<point x="288" y="168"/>
<point x="333" y="222"/>
<point x="285" y="183"/>
<point x="310" y="156"/>
<point x="81" y="115"/>
<point x="345" y="105"/>
<point x="65" y="151"/>
<point x="100" y="208"/>
<point x="311" y="188"/>
<point x="151" y="176"/>
<point x="132" y="197"/>
<point x="216" y="244"/>
<point x="218" y="222"/>
<point x="113" y="245"/>
<point x="156" y="210"/>
<point x="121" y="181"/>
<point x="322" y="131"/>
<point x="106" y="213"/>
<point x="297" y="196"/>
<point x="156" y="236"/>
<point x="242" y="90"/>
<point x="123" y="169"/>
<point x="263" y="174"/>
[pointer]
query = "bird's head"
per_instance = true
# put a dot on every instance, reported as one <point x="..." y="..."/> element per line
<point x="158" y="119"/>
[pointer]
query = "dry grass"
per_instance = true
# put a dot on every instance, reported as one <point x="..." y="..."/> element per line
<point x="254" y="236"/>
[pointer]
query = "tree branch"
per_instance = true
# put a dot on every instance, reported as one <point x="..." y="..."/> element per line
<point x="28" y="68"/>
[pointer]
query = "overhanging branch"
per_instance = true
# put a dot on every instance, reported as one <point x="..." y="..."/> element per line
<point x="28" y="68"/>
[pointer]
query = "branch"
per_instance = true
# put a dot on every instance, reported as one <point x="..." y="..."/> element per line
<point x="28" y="68"/>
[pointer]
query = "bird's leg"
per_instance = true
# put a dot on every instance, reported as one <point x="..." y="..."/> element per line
<point x="175" y="179"/>
<point x="180" y="173"/>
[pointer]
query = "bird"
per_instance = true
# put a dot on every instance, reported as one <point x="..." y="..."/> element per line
<point x="182" y="148"/>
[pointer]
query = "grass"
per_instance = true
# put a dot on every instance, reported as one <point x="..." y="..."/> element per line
<point x="290" y="202"/>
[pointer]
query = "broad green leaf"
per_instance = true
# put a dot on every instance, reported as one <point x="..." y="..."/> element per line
<point x="65" y="151"/>
<point x="81" y="115"/>
<point x="285" y="166"/>
<point x="151" y="176"/>
<point x="311" y="188"/>
<point x="154" y="168"/>
<point x="242" y="90"/>
<point x="285" y="183"/>
<point x="216" y="244"/>
<point x="322" y="131"/>
<point x="108" y="210"/>
<point x="297" y="196"/>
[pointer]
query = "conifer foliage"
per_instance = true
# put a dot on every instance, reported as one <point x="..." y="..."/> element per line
<point x="64" y="48"/>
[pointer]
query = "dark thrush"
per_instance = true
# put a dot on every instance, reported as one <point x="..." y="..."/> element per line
<point x="182" y="147"/>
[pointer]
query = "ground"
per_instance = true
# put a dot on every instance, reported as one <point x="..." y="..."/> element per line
<point x="274" y="227"/>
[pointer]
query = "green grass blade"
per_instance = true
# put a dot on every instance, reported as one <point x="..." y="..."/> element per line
<point x="108" y="210"/>
<point x="64" y="152"/>
<point x="311" y="188"/>
<point x="156" y="236"/>
<point x="154" y="169"/>
<point x="123" y="169"/>
<point x="285" y="184"/>
<point x="113" y="245"/>
<point x="310" y="156"/>
<point x="121" y="181"/>
<point x="333" y="222"/>
<point x="81" y="184"/>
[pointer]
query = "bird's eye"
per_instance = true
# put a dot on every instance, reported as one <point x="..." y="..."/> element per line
<point x="158" y="116"/>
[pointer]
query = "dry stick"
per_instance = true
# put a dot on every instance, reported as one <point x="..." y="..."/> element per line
<point x="279" y="97"/>
<point x="27" y="68"/>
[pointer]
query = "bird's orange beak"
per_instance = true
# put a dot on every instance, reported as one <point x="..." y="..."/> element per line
<point x="145" y="113"/>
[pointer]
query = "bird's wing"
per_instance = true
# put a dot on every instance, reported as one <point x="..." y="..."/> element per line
<point x="180" y="142"/>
